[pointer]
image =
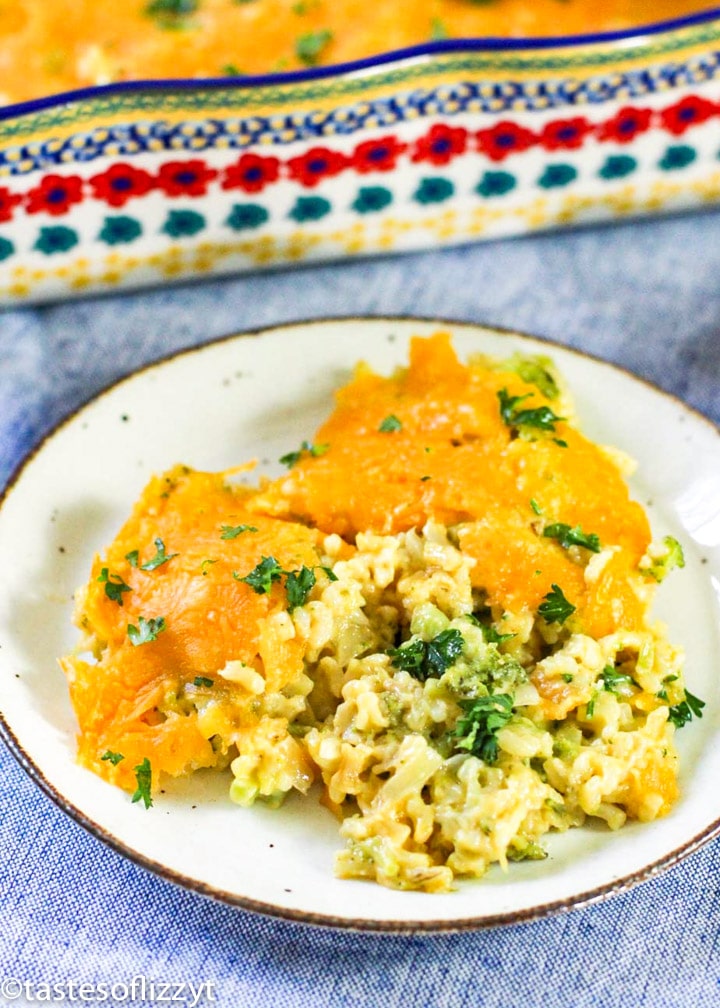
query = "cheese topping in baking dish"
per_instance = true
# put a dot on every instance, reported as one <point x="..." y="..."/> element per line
<point x="46" y="48"/>
<point x="440" y="614"/>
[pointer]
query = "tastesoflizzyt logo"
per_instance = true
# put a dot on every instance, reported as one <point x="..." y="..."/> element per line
<point x="139" y="989"/>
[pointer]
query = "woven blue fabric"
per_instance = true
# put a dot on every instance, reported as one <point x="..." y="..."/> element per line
<point x="645" y="295"/>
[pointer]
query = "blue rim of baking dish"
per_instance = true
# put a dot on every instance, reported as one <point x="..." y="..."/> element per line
<point x="441" y="47"/>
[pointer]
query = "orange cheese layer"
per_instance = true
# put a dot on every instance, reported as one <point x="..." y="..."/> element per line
<point x="48" y="46"/>
<point x="455" y="460"/>
<point x="210" y="617"/>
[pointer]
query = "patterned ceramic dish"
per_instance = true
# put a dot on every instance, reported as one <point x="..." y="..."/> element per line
<point x="139" y="183"/>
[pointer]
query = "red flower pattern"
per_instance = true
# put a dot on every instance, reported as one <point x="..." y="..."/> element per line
<point x="377" y="155"/>
<point x="120" y="183"/>
<point x="440" y="144"/>
<point x="251" y="173"/>
<point x="316" y="164"/>
<point x="625" y="126"/>
<point x="504" y="139"/>
<point x="8" y="202"/>
<point x="54" y="195"/>
<point x="185" y="178"/>
<point x="565" y="134"/>
<point x="686" y="113"/>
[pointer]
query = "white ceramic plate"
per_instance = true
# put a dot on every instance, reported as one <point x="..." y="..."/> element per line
<point x="259" y="395"/>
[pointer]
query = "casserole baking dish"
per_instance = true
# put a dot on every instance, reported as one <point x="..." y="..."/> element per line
<point x="138" y="183"/>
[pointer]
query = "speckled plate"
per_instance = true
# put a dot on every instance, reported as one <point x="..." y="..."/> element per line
<point x="256" y="395"/>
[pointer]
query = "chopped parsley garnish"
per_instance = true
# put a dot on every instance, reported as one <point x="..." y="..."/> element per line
<point x="230" y="70"/>
<point x="309" y="47"/>
<point x="615" y="681"/>
<point x="555" y="608"/>
<point x="169" y="13"/>
<point x="535" y="506"/>
<point x="263" y="575"/>
<point x="201" y="680"/>
<point x="233" y="531"/>
<point x="146" y="631"/>
<point x="541" y="418"/>
<point x="568" y="537"/>
<point x="390" y="424"/>
<point x="314" y="450"/>
<point x="114" y="585"/>
<point x="492" y="636"/>
<point x="298" y="585"/>
<point x="688" y="708"/>
<point x="112" y="757"/>
<point x="161" y="557"/>
<point x="428" y="659"/>
<point x="143" y="776"/>
<point x="477" y="731"/>
<point x="329" y="573"/>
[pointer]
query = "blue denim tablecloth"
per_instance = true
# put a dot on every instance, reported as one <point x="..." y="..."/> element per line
<point x="645" y="295"/>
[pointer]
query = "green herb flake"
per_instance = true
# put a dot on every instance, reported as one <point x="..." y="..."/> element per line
<point x="112" y="757"/>
<point x="535" y="506"/>
<point x="309" y="47"/>
<point x="170" y="13"/>
<point x="298" y="585"/>
<point x="263" y="575"/>
<point x="568" y="537"/>
<point x="684" y="712"/>
<point x="555" y="608"/>
<point x="541" y="418"/>
<point x="390" y="424"/>
<point x="161" y="557"/>
<point x="438" y="29"/>
<point x="146" y="631"/>
<point x="313" y="450"/>
<point x="143" y="776"/>
<point x="114" y="585"/>
<point x="428" y="659"/>
<point x="233" y="531"/>
<point x="133" y="557"/>
<point x="202" y="680"/>
<point x="477" y="731"/>
<point x="329" y="573"/>
<point x="493" y="636"/>
<point x="615" y="681"/>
